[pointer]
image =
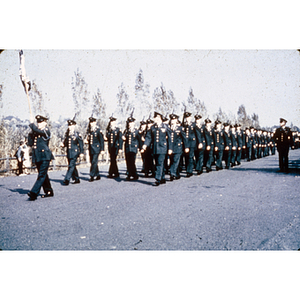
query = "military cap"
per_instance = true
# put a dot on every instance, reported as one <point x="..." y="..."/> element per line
<point x="226" y="124"/>
<point x="173" y="116"/>
<point x="158" y="114"/>
<point x="130" y="119"/>
<point x="251" y="127"/>
<point x="186" y="114"/>
<point x="197" y="117"/>
<point x="71" y="122"/>
<point x="165" y="118"/>
<point x="40" y="118"/>
<point x="218" y="122"/>
<point x="282" y="120"/>
<point x="92" y="119"/>
<point x="143" y="122"/>
<point x="247" y="128"/>
<point x="149" y="121"/>
<point x="112" y="119"/>
<point x="207" y="120"/>
<point x="237" y="125"/>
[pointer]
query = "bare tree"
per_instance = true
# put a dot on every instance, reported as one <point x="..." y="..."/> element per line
<point x="242" y="117"/>
<point x="164" y="102"/>
<point x="99" y="109"/>
<point x="195" y="106"/>
<point x="255" y="120"/>
<point x="80" y="96"/>
<point x="124" y="106"/>
<point x="37" y="99"/>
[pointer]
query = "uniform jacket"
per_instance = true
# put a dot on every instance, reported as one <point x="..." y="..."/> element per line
<point x="132" y="140"/>
<point x="74" y="144"/>
<point x="209" y="137"/>
<point x="248" y="140"/>
<point x="219" y="139"/>
<point x="227" y="140"/>
<point x="178" y="139"/>
<point x="234" y="140"/>
<point x="159" y="137"/>
<point x="283" y="137"/>
<point x="200" y="138"/>
<point x="95" y="140"/>
<point x="190" y="135"/>
<point x="114" y="139"/>
<point x="239" y="137"/>
<point x="39" y="141"/>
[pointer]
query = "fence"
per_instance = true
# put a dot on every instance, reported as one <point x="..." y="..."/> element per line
<point x="8" y="165"/>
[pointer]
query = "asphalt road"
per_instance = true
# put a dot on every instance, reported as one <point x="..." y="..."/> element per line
<point x="249" y="207"/>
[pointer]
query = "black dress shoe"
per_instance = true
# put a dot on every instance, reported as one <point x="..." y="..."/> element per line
<point x="91" y="179"/>
<point x="163" y="181"/>
<point x="66" y="182"/>
<point x="48" y="194"/>
<point x="76" y="181"/>
<point x="32" y="196"/>
<point x="98" y="177"/>
<point x="189" y="174"/>
<point x="172" y="178"/>
<point x="127" y="178"/>
<point x="177" y="177"/>
<point x="110" y="176"/>
<point x="136" y="177"/>
<point x="226" y="168"/>
<point x="208" y="170"/>
<point x="156" y="183"/>
<point x="199" y="172"/>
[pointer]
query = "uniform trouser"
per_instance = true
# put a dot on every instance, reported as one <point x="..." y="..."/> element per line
<point x="199" y="154"/>
<point x="159" y="163"/>
<point x="113" y="167"/>
<point x="130" y="163"/>
<point x="273" y="150"/>
<point x="283" y="158"/>
<point x="239" y="155"/>
<point x="227" y="157"/>
<point x="249" y="153"/>
<point x="143" y="160"/>
<point x="208" y="157"/>
<point x="233" y="156"/>
<point x="266" y="151"/>
<point x="149" y="165"/>
<point x="20" y="167"/>
<point x="254" y="152"/>
<point x="72" y="170"/>
<point x="94" y="170"/>
<point x="189" y="159"/>
<point x="174" y="163"/>
<point x="43" y="179"/>
<point x="219" y="156"/>
<point x="259" y="152"/>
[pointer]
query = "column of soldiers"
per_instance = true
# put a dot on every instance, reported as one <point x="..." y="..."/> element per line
<point x="167" y="146"/>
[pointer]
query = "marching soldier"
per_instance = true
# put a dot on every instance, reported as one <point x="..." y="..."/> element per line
<point x="142" y="134"/>
<point x="248" y="144"/>
<point x="254" y="142"/>
<point x="201" y="144"/>
<point x="115" y="143"/>
<point x="234" y="146"/>
<point x="209" y="150"/>
<point x="283" y="140"/>
<point x="260" y="143"/>
<point x="38" y="139"/>
<point x="228" y="145"/>
<point x="177" y="136"/>
<point x="95" y="140"/>
<point x="159" y="135"/>
<point x="240" y="144"/>
<point x="132" y="143"/>
<point x="74" y="144"/>
<point x="219" y="144"/>
<point x="148" y="153"/>
<point x="191" y="143"/>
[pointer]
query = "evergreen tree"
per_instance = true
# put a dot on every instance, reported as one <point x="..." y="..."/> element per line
<point x="255" y="120"/>
<point x="164" y="102"/>
<point x="37" y="100"/>
<point x="124" y="106"/>
<point x="243" y="118"/>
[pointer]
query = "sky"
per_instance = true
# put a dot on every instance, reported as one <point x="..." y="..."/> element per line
<point x="267" y="82"/>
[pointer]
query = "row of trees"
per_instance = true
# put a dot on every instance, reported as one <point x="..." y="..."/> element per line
<point x="162" y="100"/>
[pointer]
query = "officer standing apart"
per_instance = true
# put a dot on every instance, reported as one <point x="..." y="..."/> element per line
<point x="38" y="139"/>
<point x="159" y="135"/>
<point x="74" y="144"/>
<point x="95" y="140"/>
<point x="283" y="139"/>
